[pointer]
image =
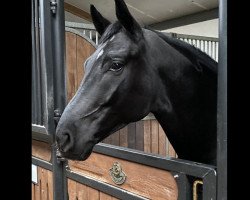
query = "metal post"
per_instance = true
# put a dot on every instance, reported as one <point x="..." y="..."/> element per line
<point x="34" y="103"/>
<point x="52" y="60"/>
<point x="59" y="82"/>
<point x="222" y="105"/>
<point x="58" y="40"/>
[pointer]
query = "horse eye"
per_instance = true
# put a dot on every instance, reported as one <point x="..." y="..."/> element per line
<point x="116" y="67"/>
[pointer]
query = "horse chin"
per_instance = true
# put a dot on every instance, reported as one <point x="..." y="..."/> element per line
<point x="72" y="156"/>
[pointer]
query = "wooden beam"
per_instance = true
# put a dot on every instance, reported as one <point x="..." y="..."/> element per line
<point x="187" y="19"/>
<point x="77" y="11"/>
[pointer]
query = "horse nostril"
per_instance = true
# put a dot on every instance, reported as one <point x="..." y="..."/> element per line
<point x="65" y="141"/>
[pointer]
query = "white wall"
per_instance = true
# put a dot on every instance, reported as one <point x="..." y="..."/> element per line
<point x="206" y="28"/>
<point x="73" y="18"/>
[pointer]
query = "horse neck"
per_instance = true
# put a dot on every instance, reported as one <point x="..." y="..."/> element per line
<point x="186" y="112"/>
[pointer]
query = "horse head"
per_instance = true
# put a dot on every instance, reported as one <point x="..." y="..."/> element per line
<point x="116" y="88"/>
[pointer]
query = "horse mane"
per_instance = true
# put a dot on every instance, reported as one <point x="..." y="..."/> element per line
<point x="195" y="55"/>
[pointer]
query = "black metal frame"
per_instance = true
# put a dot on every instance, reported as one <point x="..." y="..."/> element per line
<point x="222" y="105"/>
<point x="48" y="57"/>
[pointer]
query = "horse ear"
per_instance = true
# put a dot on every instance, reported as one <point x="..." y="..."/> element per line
<point x="127" y="20"/>
<point x="99" y="21"/>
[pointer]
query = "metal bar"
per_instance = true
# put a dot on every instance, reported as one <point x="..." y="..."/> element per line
<point x="222" y="105"/>
<point x="59" y="85"/>
<point x="39" y="129"/>
<point x="39" y="133"/>
<point x="171" y="164"/>
<point x="207" y="47"/>
<point x="38" y="66"/>
<point x="153" y="160"/>
<point x="209" y="186"/>
<point x="103" y="187"/>
<point x="34" y="105"/>
<point x="186" y="19"/>
<point x="58" y="24"/>
<point x="196" y="37"/>
<point x="195" y="43"/>
<point x="212" y="49"/>
<point x="183" y="186"/>
<point x="42" y="163"/>
<point x="46" y="65"/>
<point x="90" y="35"/>
<point x="49" y="49"/>
<point x="96" y="38"/>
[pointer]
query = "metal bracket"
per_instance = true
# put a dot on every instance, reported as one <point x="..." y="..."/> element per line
<point x="53" y="6"/>
<point x="57" y="116"/>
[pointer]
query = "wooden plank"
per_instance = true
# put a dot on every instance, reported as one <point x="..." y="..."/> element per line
<point x="162" y="142"/>
<point x="77" y="11"/>
<point x="131" y="135"/>
<point x="142" y="180"/>
<point x="32" y="191"/>
<point x="44" y="183"/>
<point x="84" y="50"/>
<point x="50" y="185"/>
<point x="139" y="134"/>
<point x="41" y="150"/>
<point x="72" y="189"/>
<point x="115" y="138"/>
<point x="82" y="192"/>
<point x="37" y="192"/>
<point x="155" y="136"/>
<point x="104" y="196"/>
<point x="80" y="59"/>
<point x="108" y="140"/>
<point x="70" y="39"/>
<point x="124" y="137"/>
<point x="93" y="194"/>
<point x="147" y="136"/>
<point x="38" y="186"/>
<point x="171" y="151"/>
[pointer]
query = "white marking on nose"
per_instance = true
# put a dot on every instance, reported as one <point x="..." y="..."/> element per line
<point x="99" y="54"/>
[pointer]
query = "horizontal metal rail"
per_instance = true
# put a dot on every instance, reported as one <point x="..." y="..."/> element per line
<point x="40" y="133"/>
<point x="42" y="163"/>
<point x="166" y="163"/>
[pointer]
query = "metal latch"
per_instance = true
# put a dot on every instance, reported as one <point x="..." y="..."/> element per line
<point x="53" y="5"/>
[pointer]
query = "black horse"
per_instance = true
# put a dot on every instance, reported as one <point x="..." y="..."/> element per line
<point x="135" y="71"/>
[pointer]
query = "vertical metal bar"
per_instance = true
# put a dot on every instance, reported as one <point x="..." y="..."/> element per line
<point x="212" y="49"/>
<point x="183" y="186"/>
<point x="47" y="65"/>
<point x="96" y="38"/>
<point x="34" y="106"/>
<point x="222" y="105"/>
<point x="59" y="83"/>
<point x="58" y="37"/>
<point x="209" y="186"/>
<point x="90" y="34"/>
<point x="216" y="50"/>
<point x="207" y="47"/>
<point x="38" y="66"/>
